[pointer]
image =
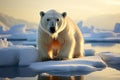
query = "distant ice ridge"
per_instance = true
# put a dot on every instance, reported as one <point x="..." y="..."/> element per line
<point x="103" y="34"/>
<point x="90" y="33"/>
<point x="15" y="29"/>
<point x="19" y="31"/>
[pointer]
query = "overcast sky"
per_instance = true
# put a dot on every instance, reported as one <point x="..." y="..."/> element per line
<point x="76" y="9"/>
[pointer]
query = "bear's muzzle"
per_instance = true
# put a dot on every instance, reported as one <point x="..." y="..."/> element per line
<point x="52" y="29"/>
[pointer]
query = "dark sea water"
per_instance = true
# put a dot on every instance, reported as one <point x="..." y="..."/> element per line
<point x="109" y="73"/>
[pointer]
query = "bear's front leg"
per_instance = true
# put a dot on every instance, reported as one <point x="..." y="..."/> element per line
<point x="67" y="50"/>
<point x="43" y="54"/>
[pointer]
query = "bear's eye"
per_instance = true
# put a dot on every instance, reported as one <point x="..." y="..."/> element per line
<point x="57" y="20"/>
<point x="48" y="19"/>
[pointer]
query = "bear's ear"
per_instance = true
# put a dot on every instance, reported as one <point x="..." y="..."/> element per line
<point x="42" y="13"/>
<point x="64" y="14"/>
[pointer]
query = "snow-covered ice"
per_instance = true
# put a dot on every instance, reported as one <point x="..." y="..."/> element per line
<point x="17" y="55"/>
<point x="27" y="56"/>
<point x="111" y="59"/>
<point x="69" y="67"/>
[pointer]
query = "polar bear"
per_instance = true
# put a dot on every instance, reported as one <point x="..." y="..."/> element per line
<point x="58" y="37"/>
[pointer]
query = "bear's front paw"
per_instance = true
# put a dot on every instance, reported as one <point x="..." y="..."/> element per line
<point x="58" y="59"/>
<point x="46" y="59"/>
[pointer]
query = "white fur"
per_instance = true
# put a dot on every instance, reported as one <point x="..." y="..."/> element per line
<point x="54" y="35"/>
<point x="68" y="35"/>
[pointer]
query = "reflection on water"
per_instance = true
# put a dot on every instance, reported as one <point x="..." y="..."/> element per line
<point x="16" y="71"/>
<point x="11" y="72"/>
<point x="60" y="77"/>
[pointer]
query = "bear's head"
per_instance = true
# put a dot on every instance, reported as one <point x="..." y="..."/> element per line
<point x="52" y="21"/>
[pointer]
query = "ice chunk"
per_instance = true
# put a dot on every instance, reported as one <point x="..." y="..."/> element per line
<point x="111" y="59"/>
<point x="8" y="56"/>
<point x="18" y="55"/>
<point x="27" y="55"/>
<point x="69" y="67"/>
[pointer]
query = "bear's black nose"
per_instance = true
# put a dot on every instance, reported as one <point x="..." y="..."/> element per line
<point x="52" y="29"/>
